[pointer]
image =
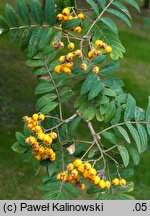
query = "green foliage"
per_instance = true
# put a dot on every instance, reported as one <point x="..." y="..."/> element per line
<point x="123" y="134"/>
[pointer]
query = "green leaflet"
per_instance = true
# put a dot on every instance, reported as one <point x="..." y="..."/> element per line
<point x="108" y="22"/>
<point x="39" y="71"/>
<point x="109" y="136"/>
<point x="128" y="188"/>
<point x="34" y="63"/>
<point x="94" y="6"/>
<point x="143" y="136"/>
<point x="109" y="92"/>
<point x="110" y="68"/>
<point x="102" y="3"/>
<point x="50" y="12"/>
<point x="148" y="115"/>
<point x="135" y="136"/>
<point x="49" y="107"/>
<point x="130" y="108"/>
<point x="133" y="3"/>
<point x="88" y="83"/>
<point x="11" y="15"/>
<point x="110" y="112"/>
<point x="122" y="7"/>
<point x="45" y="38"/>
<point x="26" y="38"/>
<point x="134" y="154"/>
<point x="23" y="11"/>
<point x="124" y="133"/>
<point x="43" y="88"/>
<point x="20" y="138"/>
<point x="3" y="23"/>
<point x="70" y="188"/>
<point x="73" y="127"/>
<point x="44" y="100"/>
<point x="17" y="147"/>
<point x="71" y="24"/>
<point x="89" y="112"/>
<point x="139" y="114"/>
<point x="96" y="89"/>
<point x="124" y="154"/>
<point x="36" y="11"/>
<point x="120" y="15"/>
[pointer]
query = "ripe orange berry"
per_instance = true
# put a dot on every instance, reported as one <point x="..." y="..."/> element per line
<point x="65" y="18"/>
<point x="122" y="182"/>
<point x="40" y="136"/>
<point x="58" y="69"/>
<point x="41" y="117"/>
<point x="78" y="53"/>
<point x="77" y="163"/>
<point x="71" y="46"/>
<point x="77" y="178"/>
<point x="60" y="17"/>
<point x="92" y="53"/>
<point x="74" y="173"/>
<point x="85" y="174"/>
<point x="78" y="29"/>
<point x="87" y="166"/>
<point x="32" y="140"/>
<point x="35" y="117"/>
<point x="68" y="65"/>
<point x="108" y="184"/>
<point x="70" y="167"/>
<point x="30" y="126"/>
<point x="102" y="184"/>
<point x="82" y="186"/>
<point x="115" y="181"/>
<point x="41" y="150"/>
<point x="95" y="69"/>
<point x="49" y="152"/>
<point x="81" y="168"/>
<point x="98" y="52"/>
<point x="70" y="17"/>
<point x="81" y="16"/>
<point x="96" y="180"/>
<point x="66" y="11"/>
<point x="84" y="67"/>
<point x="108" y="49"/>
<point x="92" y="172"/>
<point x="53" y="135"/>
<point x="27" y="120"/>
<point x="38" y="129"/>
<point x="62" y="59"/>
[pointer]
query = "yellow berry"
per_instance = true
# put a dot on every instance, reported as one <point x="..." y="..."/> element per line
<point x="70" y="167"/>
<point x="27" y="140"/>
<point x="69" y="56"/>
<point x="66" y="11"/>
<point x="92" y="53"/>
<point x="87" y="166"/>
<point x="102" y="184"/>
<point x="38" y="157"/>
<point x="77" y="29"/>
<point x="66" y="18"/>
<point x="62" y="59"/>
<point x="92" y="172"/>
<point x="81" y="16"/>
<point x="77" y="178"/>
<point x="27" y="120"/>
<point x="40" y="136"/>
<point x="61" y="45"/>
<point x="99" y="43"/>
<point x="81" y="168"/>
<point x="41" y="117"/>
<point x="82" y="186"/>
<point x="77" y="163"/>
<point x="98" y="52"/>
<point x="71" y="46"/>
<point x="108" y="49"/>
<point x="74" y="173"/>
<point x="47" y="139"/>
<point x="122" y="182"/>
<point x="85" y="174"/>
<point x="35" y="117"/>
<point x="84" y="67"/>
<point x="58" y="69"/>
<point x="58" y="177"/>
<point x="95" y="69"/>
<point x="53" y="135"/>
<point x="38" y="129"/>
<point x="115" y="181"/>
<point x="49" y="152"/>
<point x="59" y="17"/>
<point x="108" y="184"/>
<point x="66" y="70"/>
<point x="78" y="53"/>
<point x="32" y="140"/>
<point x="70" y="17"/>
<point x="96" y="180"/>
<point x="68" y="65"/>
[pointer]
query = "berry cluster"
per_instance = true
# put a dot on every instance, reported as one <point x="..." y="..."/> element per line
<point x="41" y="144"/>
<point x="66" y="16"/>
<point x="67" y="60"/>
<point x="88" y="173"/>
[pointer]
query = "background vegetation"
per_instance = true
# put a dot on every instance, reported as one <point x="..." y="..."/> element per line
<point x="17" y="180"/>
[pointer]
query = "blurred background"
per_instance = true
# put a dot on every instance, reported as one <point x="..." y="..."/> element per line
<point x="17" y="179"/>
